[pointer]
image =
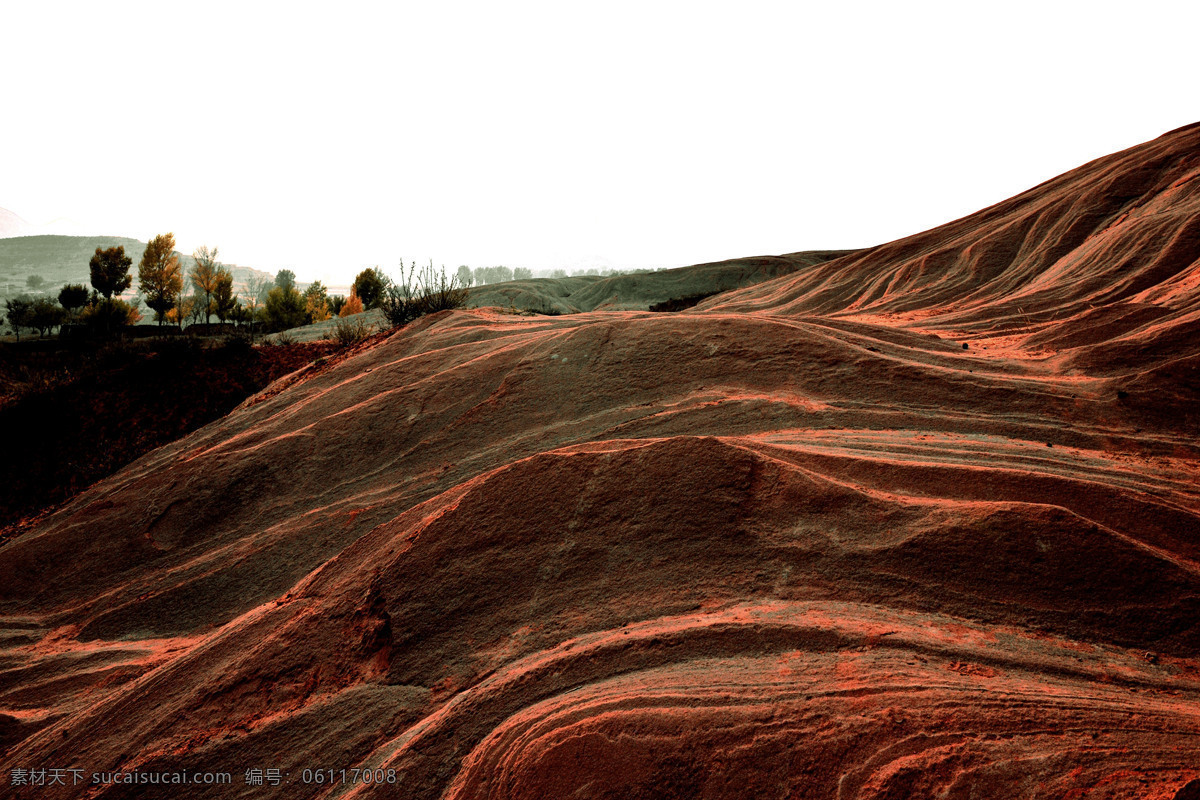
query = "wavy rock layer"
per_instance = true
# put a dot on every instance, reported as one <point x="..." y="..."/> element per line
<point x="797" y="543"/>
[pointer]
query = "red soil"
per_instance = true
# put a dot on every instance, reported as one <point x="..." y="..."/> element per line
<point x="796" y="542"/>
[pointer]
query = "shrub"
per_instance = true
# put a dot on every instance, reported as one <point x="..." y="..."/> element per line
<point x="680" y="303"/>
<point x="371" y="286"/>
<point x="78" y="414"/>
<point x="352" y="305"/>
<point x="420" y="293"/>
<point x="106" y="316"/>
<point x="401" y="305"/>
<point x="178" y="348"/>
<point x="285" y="309"/>
<point x="239" y="344"/>
<point x="347" y="333"/>
<point x="45" y="315"/>
<point x="439" y="291"/>
<point x="316" y="302"/>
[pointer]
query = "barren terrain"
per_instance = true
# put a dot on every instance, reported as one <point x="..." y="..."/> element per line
<point x="919" y="521"/>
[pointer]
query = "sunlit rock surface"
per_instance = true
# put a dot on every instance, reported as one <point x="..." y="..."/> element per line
<point x="919" y="521"/>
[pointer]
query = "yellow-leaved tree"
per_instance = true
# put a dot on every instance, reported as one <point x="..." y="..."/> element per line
<point x="352" y="305"/>
<point x="205" y="276"/>
<point x="160" y="278"/>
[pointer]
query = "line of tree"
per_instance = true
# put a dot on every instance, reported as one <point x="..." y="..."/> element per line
<point x="74" y="305"/>
<point x="412" y="295"/>
<point x="40" y="314"/>
<point x="161" y="283"/>
<point x="481" y="276"/>
<point x="276" y="304"/>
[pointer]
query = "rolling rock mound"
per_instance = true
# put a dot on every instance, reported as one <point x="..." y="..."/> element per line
<point x="1097" y="267"/>
<point x="639" y="291"/>
<point x="797" y="542"/>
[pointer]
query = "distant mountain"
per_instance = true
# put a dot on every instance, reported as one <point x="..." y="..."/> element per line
<point x="12" y="225"/>
<point x="64" y="259"/>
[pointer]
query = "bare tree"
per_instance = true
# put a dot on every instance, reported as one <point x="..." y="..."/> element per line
<point x="256" y="290"/>
<point x="419" y="293"/>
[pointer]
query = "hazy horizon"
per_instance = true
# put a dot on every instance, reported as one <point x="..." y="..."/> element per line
<point x="543" y="136"/>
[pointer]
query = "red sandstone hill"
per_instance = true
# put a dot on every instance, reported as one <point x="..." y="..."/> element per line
<point x="797" y="542"/>
<point x="1095" y="270"/>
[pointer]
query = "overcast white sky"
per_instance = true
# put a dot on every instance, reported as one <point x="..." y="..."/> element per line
<point x="329" y="136"/>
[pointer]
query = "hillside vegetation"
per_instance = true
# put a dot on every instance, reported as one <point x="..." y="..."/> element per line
<point x="71" y="416"/>
<point x="64" y="259"/>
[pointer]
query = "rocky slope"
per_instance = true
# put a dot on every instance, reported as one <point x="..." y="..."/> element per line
<point x="919" y="521"/>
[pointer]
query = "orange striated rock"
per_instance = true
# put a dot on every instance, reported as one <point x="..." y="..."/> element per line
<point x="794" y="542"/>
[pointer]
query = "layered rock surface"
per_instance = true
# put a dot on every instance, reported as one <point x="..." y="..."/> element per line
<point x="797" y="542"/>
